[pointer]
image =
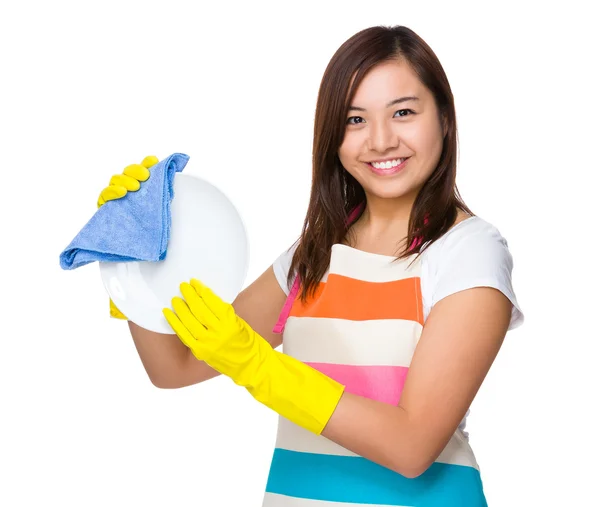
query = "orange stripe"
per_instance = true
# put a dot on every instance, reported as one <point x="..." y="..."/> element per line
<point x="347" y="298"/>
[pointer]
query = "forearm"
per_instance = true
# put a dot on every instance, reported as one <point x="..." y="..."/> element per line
<point x="379" y="432"/>
<point x="163" y="356"/>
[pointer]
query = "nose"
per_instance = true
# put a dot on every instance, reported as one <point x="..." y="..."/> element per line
<point x="382" y="137"/>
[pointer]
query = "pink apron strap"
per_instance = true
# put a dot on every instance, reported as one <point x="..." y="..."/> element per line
<point x="287" y="307"/>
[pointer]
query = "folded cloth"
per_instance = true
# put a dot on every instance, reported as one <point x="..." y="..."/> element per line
<point x="135" y="227"/>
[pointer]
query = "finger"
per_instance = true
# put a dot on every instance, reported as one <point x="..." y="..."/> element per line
<point x="198" y="307"/>
<point x="112" y="192"/>
<point x="180" y="330"/>
<point x="149" y="161"/>
<point x="217" y="306"/>
<point x="137" y="171"/>
<point x="188" y="319"/>
<point x="127" y="182"/>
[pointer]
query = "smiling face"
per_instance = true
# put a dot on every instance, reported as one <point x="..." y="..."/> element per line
<point x="392" y="116"/>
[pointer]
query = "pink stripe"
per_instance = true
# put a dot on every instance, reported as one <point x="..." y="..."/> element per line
<point x="380" y="383"/>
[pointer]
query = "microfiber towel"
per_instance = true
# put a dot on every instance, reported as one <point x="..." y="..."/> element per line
<point x="135" y="227"/>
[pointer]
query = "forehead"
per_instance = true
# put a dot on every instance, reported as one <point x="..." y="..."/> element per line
<point x="388" y="81"/>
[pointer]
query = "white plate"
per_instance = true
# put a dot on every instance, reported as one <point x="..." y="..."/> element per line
<point x="208" y="241"/>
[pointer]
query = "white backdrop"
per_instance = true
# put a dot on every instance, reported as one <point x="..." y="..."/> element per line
<point x="87" y="89"/>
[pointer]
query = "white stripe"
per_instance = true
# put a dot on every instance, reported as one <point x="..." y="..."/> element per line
<point x="370" y="267"/>
<point x="292" y="437"/>
<point x="276" y="500"/>
<point x="384" y="342"/>
<point x="458" y="452"/>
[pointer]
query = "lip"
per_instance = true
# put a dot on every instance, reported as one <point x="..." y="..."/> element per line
<point x="390" y="171"/>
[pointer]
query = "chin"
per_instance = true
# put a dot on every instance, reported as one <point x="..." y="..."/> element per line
<point x="387" y="191"/>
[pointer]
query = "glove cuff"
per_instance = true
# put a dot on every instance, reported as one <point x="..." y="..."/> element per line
<point x="297" y="391"/>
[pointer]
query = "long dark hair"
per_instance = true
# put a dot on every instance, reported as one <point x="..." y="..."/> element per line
<point x="335" y="192"/>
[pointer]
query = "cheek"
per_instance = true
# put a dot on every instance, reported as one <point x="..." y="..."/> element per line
<point x="415" y="136"/>
<point x="348" y="157"/>
<point x="429" y="139"/>
<point x="345" y="150"/>
<point x="351" y="145"/>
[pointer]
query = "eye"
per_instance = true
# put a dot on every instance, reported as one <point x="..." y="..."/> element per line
<point x="409" y="111"/>
<point x="354" y="120"/>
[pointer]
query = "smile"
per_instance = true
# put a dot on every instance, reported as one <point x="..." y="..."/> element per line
<point x="385" y="168"/>
<point x="388" y="164"/>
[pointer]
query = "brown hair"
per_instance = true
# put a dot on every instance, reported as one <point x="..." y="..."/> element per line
<point x="334" y="191"/>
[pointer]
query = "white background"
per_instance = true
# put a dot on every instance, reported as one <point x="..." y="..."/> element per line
<point x="88" y="88"/>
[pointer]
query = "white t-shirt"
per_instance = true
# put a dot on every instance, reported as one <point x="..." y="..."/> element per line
<point x="472" y="253"/>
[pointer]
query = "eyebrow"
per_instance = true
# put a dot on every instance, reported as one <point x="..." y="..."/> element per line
<point x="389" y="104"/>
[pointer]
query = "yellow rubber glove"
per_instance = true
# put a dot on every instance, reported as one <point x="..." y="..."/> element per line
<point x="119" y="185"/>
<point x="210" y="328"/>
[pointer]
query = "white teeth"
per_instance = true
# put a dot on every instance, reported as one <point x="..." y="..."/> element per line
<point x="389" y="164"/>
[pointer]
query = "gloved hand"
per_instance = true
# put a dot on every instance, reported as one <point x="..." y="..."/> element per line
<point x="119" y="185"/>
<point x="128" y="181"/>
<point x="210" y="328"/>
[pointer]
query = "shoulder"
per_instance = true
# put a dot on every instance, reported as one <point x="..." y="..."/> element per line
<point x="281" y="267"/>
<point x="473" y="253"/>
<point x="473" y="235"/>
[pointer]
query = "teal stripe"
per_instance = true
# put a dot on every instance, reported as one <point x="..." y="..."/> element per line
<point x="357" y="480"/>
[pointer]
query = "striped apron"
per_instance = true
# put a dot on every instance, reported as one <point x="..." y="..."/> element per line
<point x="361" y="328"/>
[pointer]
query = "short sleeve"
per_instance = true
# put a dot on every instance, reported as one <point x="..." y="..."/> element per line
<point x="475" y="254"/>
<point x="281" y="267"/>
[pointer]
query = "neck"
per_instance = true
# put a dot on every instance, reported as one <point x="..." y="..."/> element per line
<point x="383" y="215"/>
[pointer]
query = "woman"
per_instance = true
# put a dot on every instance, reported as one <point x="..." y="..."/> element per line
<point x="393" y="303"/>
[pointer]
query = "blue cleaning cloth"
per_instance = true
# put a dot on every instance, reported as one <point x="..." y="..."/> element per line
<point x="135" y="227"/>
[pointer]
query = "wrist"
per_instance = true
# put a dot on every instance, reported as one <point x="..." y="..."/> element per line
<point x="296" y="391"/>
